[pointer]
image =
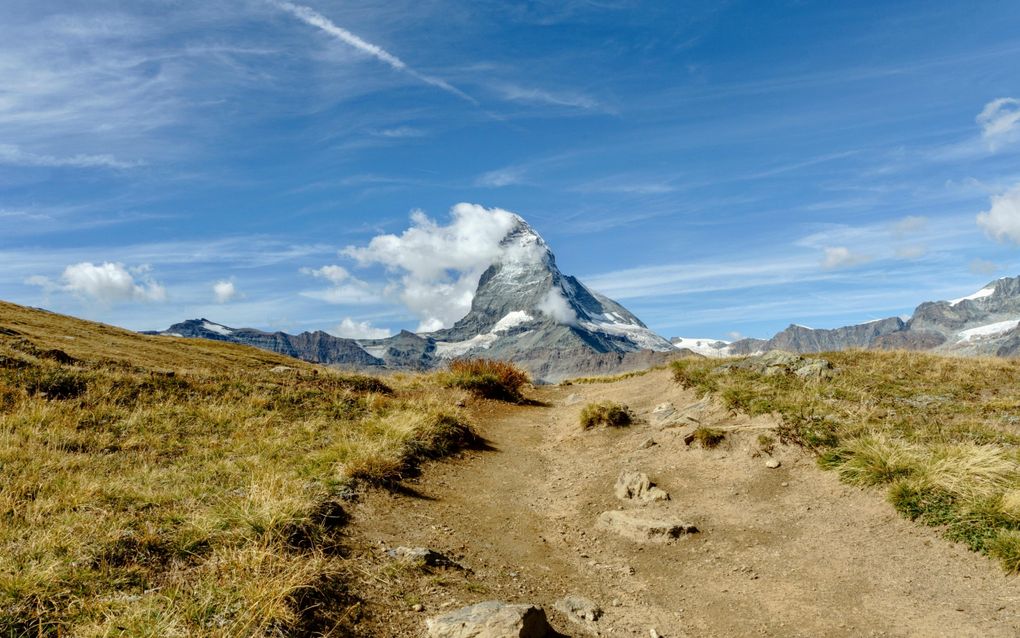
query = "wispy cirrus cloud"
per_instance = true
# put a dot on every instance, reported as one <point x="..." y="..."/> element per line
<point x="314" y="18"/>
<point x="517" y="93"/>
<point x="13" y="155"/>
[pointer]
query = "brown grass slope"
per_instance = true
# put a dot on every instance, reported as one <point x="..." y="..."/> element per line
<point x="153" y="486"/>
<point x="941" y="434"/>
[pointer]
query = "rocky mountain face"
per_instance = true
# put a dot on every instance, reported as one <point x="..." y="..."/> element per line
<point x="524" y="310"/>
<point x="983" y="323"/>
<point x="317" y="347"/>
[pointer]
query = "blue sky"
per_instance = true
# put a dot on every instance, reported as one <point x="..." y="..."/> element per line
<point x="718" y="167"/>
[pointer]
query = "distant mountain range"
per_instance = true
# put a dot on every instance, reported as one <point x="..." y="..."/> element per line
<point x="524" y="310"/>
<point x="983" y="323"/>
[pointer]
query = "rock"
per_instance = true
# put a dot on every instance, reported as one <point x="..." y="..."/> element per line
<point x="647" y="443"/>
<point x="421" y="554"/>
<point x="663" y="412"/>
<point x="772" y="463"/>
<point x="491" y="619"/>
<point x="814" y="369"/>
<point x="572" y="399"/>
<point x="637" y="486"/>
<point x="418" y="607"/>
<point x="579" y="609"/>
<point x="643" y="528"/>
<point x="779" y="362"/>
<point x="694" y="413"/>
<point x="280" y="369"/>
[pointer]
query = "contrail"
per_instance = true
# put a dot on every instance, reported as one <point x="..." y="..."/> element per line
<point x="316" y="19"/>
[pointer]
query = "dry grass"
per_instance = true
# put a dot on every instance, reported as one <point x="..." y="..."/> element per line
<point x="941" y="434"/>
<point x="606" y="413"/>
<point x="169" y="487"/>
<point x="611" y="378"/>
<point x="500" y="380"/>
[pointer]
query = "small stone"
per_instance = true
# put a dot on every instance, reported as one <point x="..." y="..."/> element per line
<point x="653" y="633"/>
<point x="772" y="463"/>
<point x="418" y="607"/>
<point x="636" y="485"/>
<point x="579" y="609"/>
<point x="647" y="443"/>
<point x="784" y="484"/>
<point x="421" y="554"/>
<point x="616" y="602"/>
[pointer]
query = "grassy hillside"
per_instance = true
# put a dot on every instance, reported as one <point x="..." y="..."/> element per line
<point x="941" y="435"/>
<point x="153" y="486"/>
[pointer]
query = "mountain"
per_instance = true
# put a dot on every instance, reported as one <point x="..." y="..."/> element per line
<point x="316" y="347"/>
<point x="524" y="310"/>
<point x="983" y="323"/>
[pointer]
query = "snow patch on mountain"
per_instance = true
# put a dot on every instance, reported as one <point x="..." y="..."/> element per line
<point x="512" y="320"/>
<point x="217" y="328"/>
<point x="984" y="292"/>
<point x="987" y="330"/>
<point x="706" y="347"/>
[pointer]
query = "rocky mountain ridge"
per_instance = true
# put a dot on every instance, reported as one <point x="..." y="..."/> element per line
<point x="524" y="310"/>
<point x="983" y="323"/>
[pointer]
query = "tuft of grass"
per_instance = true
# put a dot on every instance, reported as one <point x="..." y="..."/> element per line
<point x="939" y="434"/>
<point x="606" y="413"/>
<point x="487" y="378"/>
<point x="694" y="374"/>
<point x="1005" y="546"/>
<point x="162" y="486"/>
<point x="709" y="437"/>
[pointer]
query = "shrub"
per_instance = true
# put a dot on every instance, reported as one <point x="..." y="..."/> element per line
<point x="56" y="384"/>
<point x="487" y="378"/>
<point x="709" y="437"/>
<point x="607" y="413"/>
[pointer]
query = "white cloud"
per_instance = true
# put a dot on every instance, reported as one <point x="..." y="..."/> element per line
<point x="911" y="251"/>
<point x="13" y="156"/>
<point x="500" y="178"/>
<point x="1002" y="220"/>
<point x="842" y="257"/>
<point x="438" y="267"/>
<point x="225" y="291"/>
<point x="351" y="329"/>
<point x="107" y="283"/>
<point x="1000" y="122"/>
<point x="555" y="306"/>
<point x="313" y="18"/>
<point x="910" y="225"/>
<point x="983" y="266"/>
<point x="345" y="289"/>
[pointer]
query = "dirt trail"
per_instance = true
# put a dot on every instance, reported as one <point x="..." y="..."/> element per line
<point x="781" y="552"/>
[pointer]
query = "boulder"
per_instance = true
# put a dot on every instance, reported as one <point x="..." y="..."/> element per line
<point x="491" y="619"/>
<point x="637" y="486"/>
<point x="643" y="527"/>
<point x="662" y="413"/>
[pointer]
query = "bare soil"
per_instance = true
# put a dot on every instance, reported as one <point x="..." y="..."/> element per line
<point x="788" y="551"/>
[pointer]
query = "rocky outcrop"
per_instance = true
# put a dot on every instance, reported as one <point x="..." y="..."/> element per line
<point x="644" y="527"/>
<point x="491" y="619"/>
